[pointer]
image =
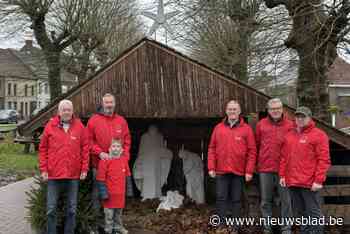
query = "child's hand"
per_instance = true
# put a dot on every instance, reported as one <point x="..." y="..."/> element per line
<point x="113" y="153"/>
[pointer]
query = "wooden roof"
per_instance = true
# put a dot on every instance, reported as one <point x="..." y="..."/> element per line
<point x="338" y="73"/>
<point x="152" y="80"/>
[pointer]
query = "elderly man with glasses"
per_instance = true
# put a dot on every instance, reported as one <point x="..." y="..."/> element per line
<point x="270" y="133"/>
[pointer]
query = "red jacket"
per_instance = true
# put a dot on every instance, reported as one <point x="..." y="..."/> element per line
<point x="232" y="150"/>
<point x="102" y="129"/>
<point x="113" y="173"/>
<point x="64" y="155"/>
<point x="305" y="157"/>
<point x="269" y="136"/>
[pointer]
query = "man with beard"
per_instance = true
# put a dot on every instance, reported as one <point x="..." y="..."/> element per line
<point x="104" y="127"/>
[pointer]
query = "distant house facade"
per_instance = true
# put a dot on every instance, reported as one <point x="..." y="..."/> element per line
<point x="24" y="80"/>
<point x="17" y="84"/>
<point x="339" y="92"/>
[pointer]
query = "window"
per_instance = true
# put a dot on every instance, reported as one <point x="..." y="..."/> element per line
<point x="40" y="88"/>
<point x="21" y="110"/>
<point x="32" y="90"/>
<point x="15" y="105"/>
<point x="32" y="107"/>
<point x="46" y="88"/>
<point x="14" y="89"/>
<point x="26" y="108"/>
<point x="25" y="90"/>
<point x="9" y="89"/>
<point x="64" y="88"/>
<point x="9" y="105"/>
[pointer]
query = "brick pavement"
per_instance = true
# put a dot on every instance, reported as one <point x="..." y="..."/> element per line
<point x="12" y="208"/>
<point x="13" y="212"/>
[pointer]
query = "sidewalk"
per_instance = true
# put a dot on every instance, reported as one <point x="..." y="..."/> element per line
<point x="13" y="201"/>
<point x="12" y="208"/>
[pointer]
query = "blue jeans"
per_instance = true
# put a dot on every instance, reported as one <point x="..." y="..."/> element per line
<point x="54" y="188"/>
<point x="269" y="184"/>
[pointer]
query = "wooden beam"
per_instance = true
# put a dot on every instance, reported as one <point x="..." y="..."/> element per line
<point x="337" y="211"/>
<point x="336" y="190"/>
<point x="339" y="171"/>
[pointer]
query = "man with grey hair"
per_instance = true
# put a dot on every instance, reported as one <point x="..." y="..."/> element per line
<point x="270" y="133"/>
<point x="104" y="127"/>
<point x="63" y="161"/>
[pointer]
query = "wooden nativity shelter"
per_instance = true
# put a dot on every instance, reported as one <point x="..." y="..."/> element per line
<point x="155" y="84"/>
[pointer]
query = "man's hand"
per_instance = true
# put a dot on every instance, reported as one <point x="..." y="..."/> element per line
<point x="283" y="182"/>
<point x="315" y="187"/>
<point x="44" y="176"/>
<point x="103" y="155"/>
<point x="83" y="175"/>
<point x="212" y="174"/>
<point x="248" y="177"/>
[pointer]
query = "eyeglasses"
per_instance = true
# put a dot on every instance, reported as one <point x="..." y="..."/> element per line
<point x="276" y="109"/>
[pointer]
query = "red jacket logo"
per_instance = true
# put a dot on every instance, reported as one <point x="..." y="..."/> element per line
<point x="303" y="140"/>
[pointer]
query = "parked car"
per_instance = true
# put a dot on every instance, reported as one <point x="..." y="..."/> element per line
<point x="8" y="116"/>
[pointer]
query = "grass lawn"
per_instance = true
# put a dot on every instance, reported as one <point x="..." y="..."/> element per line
<point x="13" y="159"/>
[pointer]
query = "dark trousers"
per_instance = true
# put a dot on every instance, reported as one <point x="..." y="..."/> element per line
<point x="270" y="190"/>
<point x="307" y="203"/>
<point x="54" y="188"/>
<point x="229" y="189"/>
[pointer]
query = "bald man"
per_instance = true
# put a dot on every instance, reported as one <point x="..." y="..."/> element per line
<point x="231" y="160"/>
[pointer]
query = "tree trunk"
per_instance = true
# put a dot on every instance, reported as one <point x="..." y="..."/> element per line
<point x="312" y="83"/>
<point x="244" y="16"/>
<point x="54" y="73"/>
<point x="85" y="66"/>
<point x="241" y="67"/>
<point x="311" y="37"/>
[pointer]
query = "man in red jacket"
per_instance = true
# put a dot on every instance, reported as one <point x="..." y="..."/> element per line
<point x="63" y="160"/>
<point x="231" y="158"/>
<point x="303" y="167"/>
<point x="270" y="133"/>
<point x="103" y="127"/>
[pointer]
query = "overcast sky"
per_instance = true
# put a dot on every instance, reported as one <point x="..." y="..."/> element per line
<point x="18" y="40"/>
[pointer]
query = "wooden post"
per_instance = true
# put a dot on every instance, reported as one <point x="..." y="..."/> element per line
<point x="26" y="148"/>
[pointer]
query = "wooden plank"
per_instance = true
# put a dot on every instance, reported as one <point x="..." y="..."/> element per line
<point x="338" y="211"/>
<point x="339" y="171"/>
<point x="336" y="190"/>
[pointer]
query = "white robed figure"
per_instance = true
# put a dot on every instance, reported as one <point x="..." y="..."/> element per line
<point x="152" y="165"/>
<point x="194" y="174"/>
